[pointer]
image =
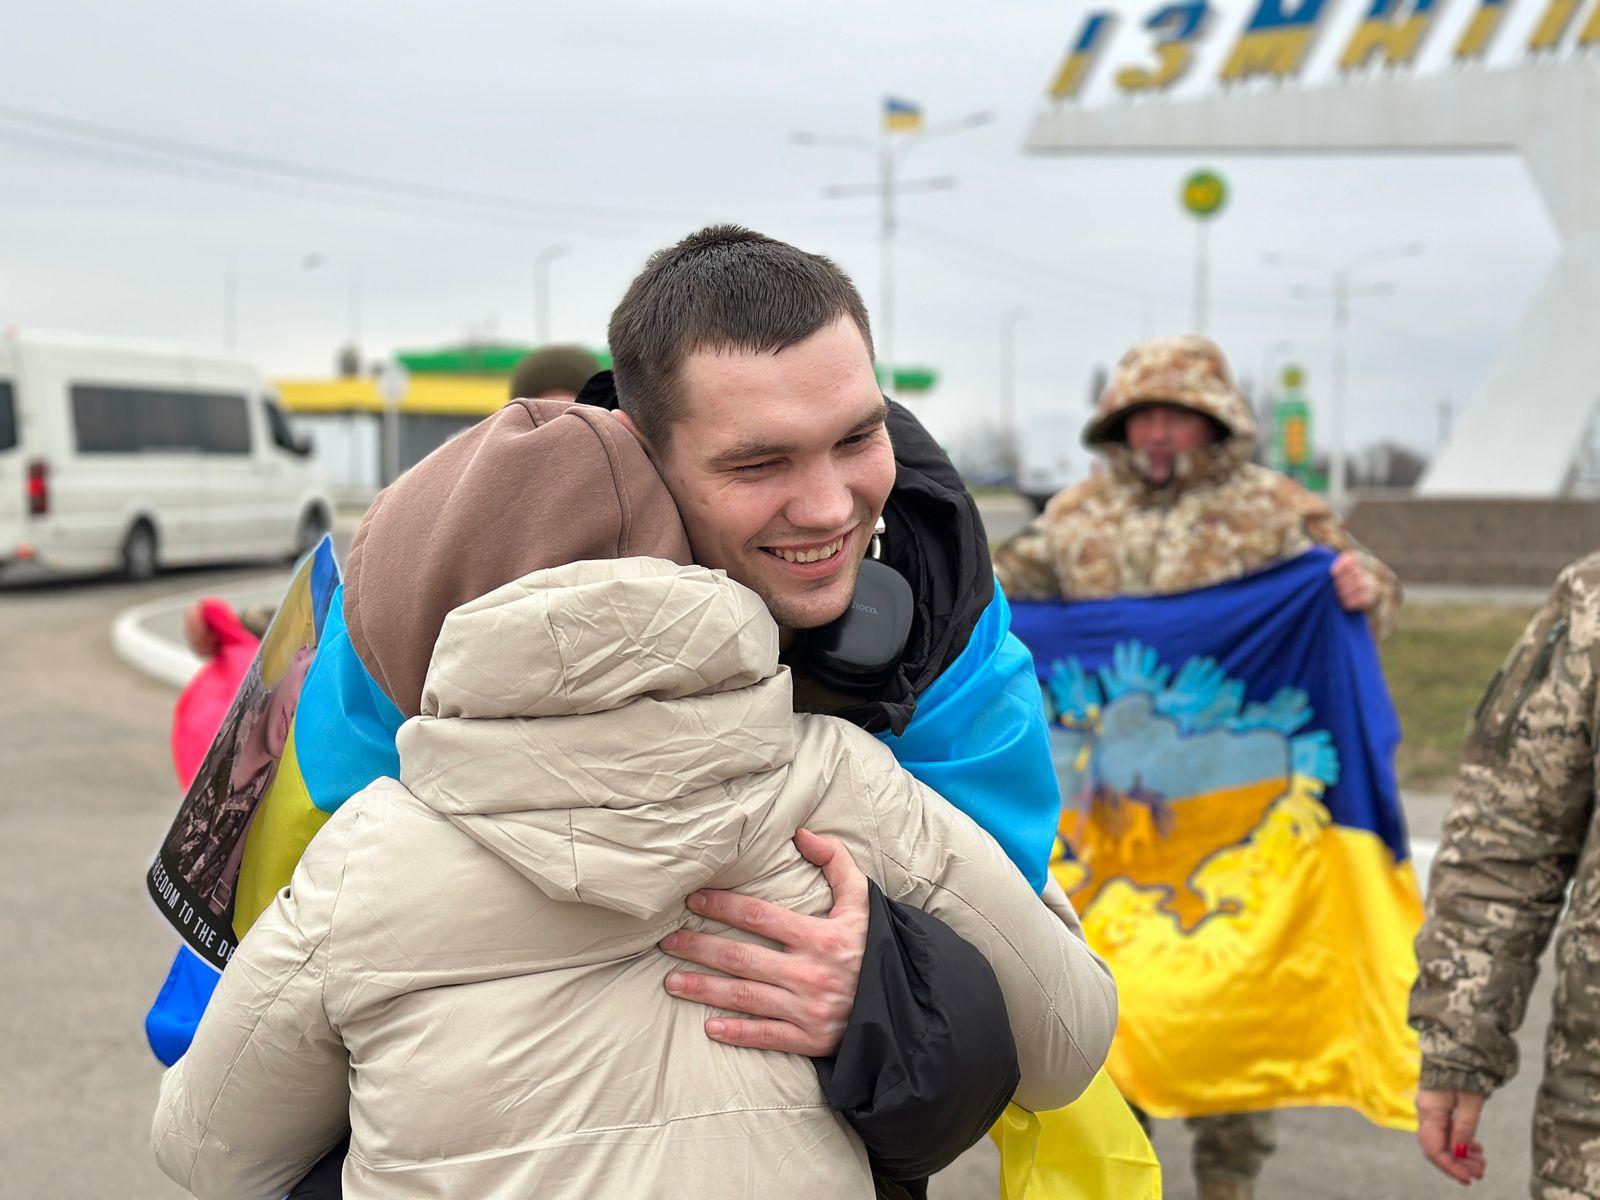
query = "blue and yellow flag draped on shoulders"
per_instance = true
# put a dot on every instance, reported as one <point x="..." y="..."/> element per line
<point x="1232" y="836"/>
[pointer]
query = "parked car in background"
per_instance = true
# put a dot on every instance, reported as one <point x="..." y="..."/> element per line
<point x="1051" y="456"/>
<point x="123" y="457"/>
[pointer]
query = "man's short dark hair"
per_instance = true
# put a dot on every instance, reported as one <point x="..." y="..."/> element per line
<point x="723" y="288"/>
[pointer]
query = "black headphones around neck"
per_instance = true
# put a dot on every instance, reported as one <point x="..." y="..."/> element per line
<point x="858" y="652"/>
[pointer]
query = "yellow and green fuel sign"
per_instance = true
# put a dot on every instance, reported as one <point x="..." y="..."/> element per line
<point x="1204" y="193"/>
<point x="1291" y="450"/>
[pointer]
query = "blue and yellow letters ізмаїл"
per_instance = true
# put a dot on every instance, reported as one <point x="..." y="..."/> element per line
<point x="1177" y="28"/>
<point x="1091" y="39"/>
<point x="1386" y="33"/>
<point x="1276" y="40"/>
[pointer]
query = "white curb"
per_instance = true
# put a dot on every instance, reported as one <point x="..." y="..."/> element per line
<point x="162" y="659"/>
<point x="149" y="653"/>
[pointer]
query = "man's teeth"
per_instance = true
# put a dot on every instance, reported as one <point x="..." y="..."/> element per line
<point x="807" y="556"/>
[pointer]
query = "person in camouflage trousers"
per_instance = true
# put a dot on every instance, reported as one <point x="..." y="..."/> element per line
<point x="1522" y="827"/>
<point x="1180" y="506"/>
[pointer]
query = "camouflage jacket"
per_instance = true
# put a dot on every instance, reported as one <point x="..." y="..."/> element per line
<point x="1220" y="518"/>
<point x="1523" y="827"/>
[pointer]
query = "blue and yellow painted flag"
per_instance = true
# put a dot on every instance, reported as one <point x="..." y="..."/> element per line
<point x="901" y="116"/>
<point x="1232" y="836"/>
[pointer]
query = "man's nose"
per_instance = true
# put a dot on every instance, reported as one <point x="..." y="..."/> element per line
<point x="822" y="500"/>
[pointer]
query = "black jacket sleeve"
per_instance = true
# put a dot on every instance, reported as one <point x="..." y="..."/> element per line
<point x="324" y="1182"/>
<point x="927" y="1063"/>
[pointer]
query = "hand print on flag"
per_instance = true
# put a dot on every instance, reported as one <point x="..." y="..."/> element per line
<point x="1163" y="775"/>
<point x="1231" y="834"/>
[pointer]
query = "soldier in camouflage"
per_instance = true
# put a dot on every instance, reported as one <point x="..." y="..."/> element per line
<point x="1181" y="506"/>
<point x="1523" y="826"/>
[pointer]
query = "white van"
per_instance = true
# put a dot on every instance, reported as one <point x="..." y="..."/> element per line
<point x="115" y="456"/>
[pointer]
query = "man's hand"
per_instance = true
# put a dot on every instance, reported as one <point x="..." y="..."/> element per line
<point x="1447" y="1126"/>
<point x="805" y="991"/>
<point x="1353" y="583"/>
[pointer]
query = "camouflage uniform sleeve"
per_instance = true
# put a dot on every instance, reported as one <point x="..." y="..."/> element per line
<point x="1024" y="564"/>
<point x="1323" y="526"/>
<point x="1523" y="799"/>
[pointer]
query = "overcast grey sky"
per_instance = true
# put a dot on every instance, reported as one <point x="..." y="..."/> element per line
<point x="668" y="116"/>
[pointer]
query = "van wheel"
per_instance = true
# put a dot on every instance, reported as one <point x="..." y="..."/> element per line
<point x="313" y="525"/>
<point x="139" y="561"/>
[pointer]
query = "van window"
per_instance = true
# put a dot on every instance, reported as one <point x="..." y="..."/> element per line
<point x="121" y="420"/>
<point x="8" y="417"/>
<point x="278" y="425"/>
<point x="225" y="424"/>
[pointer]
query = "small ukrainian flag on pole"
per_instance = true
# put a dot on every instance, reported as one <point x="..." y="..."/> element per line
<point x="901" y="116"/>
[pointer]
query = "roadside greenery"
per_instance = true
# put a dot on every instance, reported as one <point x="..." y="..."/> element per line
<point x="1438" y="663"/>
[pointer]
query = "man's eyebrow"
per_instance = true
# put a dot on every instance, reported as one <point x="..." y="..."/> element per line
<point x="752" y="449"/>
<point x="747" y="450"/>
<point x="878" y="416"/>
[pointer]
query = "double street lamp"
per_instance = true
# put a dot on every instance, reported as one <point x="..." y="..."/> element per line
<point x="1341" y="289"/>
<point x="890" y="150"/>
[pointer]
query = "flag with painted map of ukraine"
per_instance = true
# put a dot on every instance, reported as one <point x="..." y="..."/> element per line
<point x="1232" y="836"/>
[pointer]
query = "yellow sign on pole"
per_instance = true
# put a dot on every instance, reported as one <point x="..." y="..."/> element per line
<point x="1204" y="193"/>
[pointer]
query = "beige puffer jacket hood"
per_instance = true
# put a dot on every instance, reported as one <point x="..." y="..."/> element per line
<point x="465" y="969"/>
<point x="589" y="807"/>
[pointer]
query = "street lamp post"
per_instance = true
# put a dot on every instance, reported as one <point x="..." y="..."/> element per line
<point x="392" y="385"/>
<point x="541" y="290"/>
<point x="230" y="306"/>
<point x="315" y="262"/>
<point x="1340" y="291"/>
<point x="887" y="188"/>
<point x="1269" y="359"/>
<point x="1011" y="457"/>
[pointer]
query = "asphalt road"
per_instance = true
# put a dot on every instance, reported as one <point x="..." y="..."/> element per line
<point x="86" y="791"/>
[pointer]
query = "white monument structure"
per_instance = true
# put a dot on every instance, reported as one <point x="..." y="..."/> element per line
<point x="1517" y="77"/>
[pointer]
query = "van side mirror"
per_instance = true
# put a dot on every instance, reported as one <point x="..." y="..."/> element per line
<point x="304" y="443"/>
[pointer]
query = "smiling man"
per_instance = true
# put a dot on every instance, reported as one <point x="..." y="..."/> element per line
<point x="761" y="410"/>
<point x="781" y="467"/>
<point x="745" y="367"/>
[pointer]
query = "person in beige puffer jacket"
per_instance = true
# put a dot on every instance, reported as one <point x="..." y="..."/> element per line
<point x="465" y="969"/>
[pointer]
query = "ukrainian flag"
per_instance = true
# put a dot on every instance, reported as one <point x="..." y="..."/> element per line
<point x="901" y="116"/>
<point x="343" y="738"/>
<point x="1232" y="836"/>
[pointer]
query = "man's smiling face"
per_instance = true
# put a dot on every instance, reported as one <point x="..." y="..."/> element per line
<point x="780" y="464"/>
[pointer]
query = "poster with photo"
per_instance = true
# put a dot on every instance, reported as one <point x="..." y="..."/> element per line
<point x="196" y="869"/>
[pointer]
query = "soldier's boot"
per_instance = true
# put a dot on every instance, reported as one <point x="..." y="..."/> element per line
<point x="1227" y="1189"/>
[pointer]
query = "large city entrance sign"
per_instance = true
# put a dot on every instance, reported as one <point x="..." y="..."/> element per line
<point x="1387" y="76"/>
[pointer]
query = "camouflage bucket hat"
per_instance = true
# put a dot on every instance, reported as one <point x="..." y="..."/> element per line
<point x="1188" y="372"/>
